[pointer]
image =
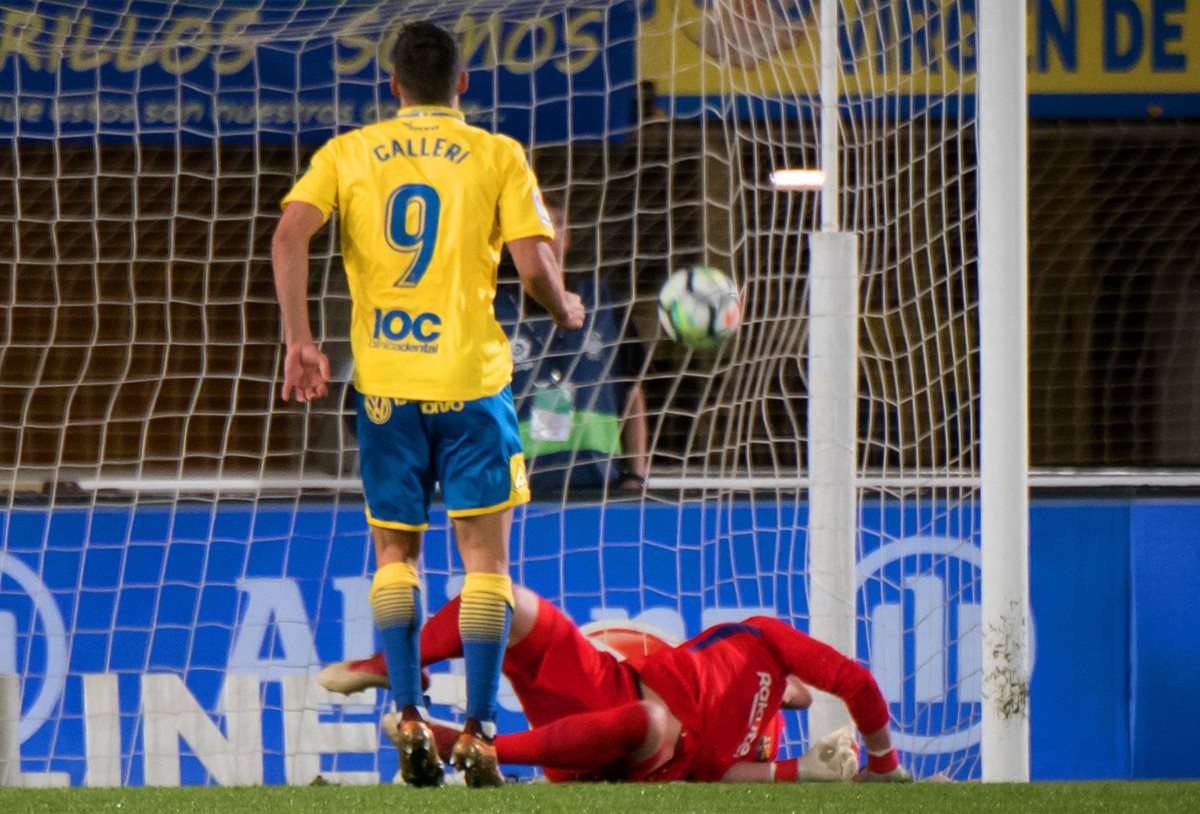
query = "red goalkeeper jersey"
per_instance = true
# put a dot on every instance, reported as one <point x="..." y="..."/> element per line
<point x="725" y="686"/>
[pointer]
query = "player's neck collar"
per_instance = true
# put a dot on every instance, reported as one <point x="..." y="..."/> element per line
<point x="429" y="110"/>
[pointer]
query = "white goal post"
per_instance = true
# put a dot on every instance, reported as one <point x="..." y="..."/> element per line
<point x="1004" y="390"/>
<point x="833" y="390"/>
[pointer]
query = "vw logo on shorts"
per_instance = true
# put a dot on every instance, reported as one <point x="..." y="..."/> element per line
<point x="516" y="467"/>
<point x="378" y="408"/>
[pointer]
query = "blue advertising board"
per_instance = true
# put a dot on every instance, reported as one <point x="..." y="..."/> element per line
<point x="1164" y="638"/>
<point x="281" y="70"/>
<point x="176" y="643"/>
<point x="1079" y="592"/>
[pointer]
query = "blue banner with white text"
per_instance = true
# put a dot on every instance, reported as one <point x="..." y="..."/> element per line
<point x="279" y="71"/>
<point x="166" y="644"/>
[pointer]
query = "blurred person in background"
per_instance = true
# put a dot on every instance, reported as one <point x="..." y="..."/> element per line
<point x="580" y="404"/>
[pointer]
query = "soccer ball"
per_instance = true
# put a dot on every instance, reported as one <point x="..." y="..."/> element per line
<point x="699" y="307"/>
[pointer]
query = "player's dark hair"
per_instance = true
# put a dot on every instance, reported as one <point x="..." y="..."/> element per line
<point x="425" y="61"/>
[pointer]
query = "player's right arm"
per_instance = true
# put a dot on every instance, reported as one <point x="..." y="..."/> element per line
<point x="306" y="368"/>
<point x="542" y="278"/>
<point x="305" y="210"/>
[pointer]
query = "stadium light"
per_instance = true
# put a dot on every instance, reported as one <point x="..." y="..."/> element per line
<point x="798" y="180"/>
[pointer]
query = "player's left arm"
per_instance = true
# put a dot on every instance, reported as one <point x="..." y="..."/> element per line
<point x="819" y="665"/>
<point x="305" y="209"/>
<point x="528" y="232"/>
<point x="541" y="278"/>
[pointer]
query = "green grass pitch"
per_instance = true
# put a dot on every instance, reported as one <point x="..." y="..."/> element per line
<point x="582" y="799"/>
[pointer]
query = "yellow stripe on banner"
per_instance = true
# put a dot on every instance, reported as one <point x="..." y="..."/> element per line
<point x="696" y="48"/>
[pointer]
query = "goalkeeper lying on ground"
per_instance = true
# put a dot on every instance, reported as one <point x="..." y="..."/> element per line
<point x="706" y="710"/>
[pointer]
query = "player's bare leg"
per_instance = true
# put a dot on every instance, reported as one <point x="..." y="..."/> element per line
<point x="485" y="614"/>
<point x="396" y="602"/>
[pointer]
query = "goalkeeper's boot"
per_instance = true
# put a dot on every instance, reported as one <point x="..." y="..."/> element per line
<point x="347" y="677"/>
<point x="475" y="756"/>
<point x="419" y="761"/>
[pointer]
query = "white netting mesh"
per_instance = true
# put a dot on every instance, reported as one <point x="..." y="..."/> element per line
<point x="146" y="146"/>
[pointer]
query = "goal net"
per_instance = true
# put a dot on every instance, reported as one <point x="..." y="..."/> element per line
<point x="181" y="550"/>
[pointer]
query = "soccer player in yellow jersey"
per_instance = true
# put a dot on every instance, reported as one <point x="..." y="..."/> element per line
<point x="425" y="201"/>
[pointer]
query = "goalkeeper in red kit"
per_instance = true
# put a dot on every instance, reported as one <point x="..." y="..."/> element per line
<point x="706" y="710"/>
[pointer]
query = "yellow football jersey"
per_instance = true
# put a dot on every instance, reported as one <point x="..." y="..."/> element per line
<point x="425" y="202"/>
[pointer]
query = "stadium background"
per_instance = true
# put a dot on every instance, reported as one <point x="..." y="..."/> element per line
<point x="143" y="342"/>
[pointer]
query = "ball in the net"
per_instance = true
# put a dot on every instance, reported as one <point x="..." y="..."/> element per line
<point x="699" y="306"/>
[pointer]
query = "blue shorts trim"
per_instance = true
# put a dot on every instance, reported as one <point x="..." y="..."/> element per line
<point x="472" y="449"/>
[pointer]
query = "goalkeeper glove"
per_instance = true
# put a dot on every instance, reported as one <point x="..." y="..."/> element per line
<point x="832" y="758"/>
